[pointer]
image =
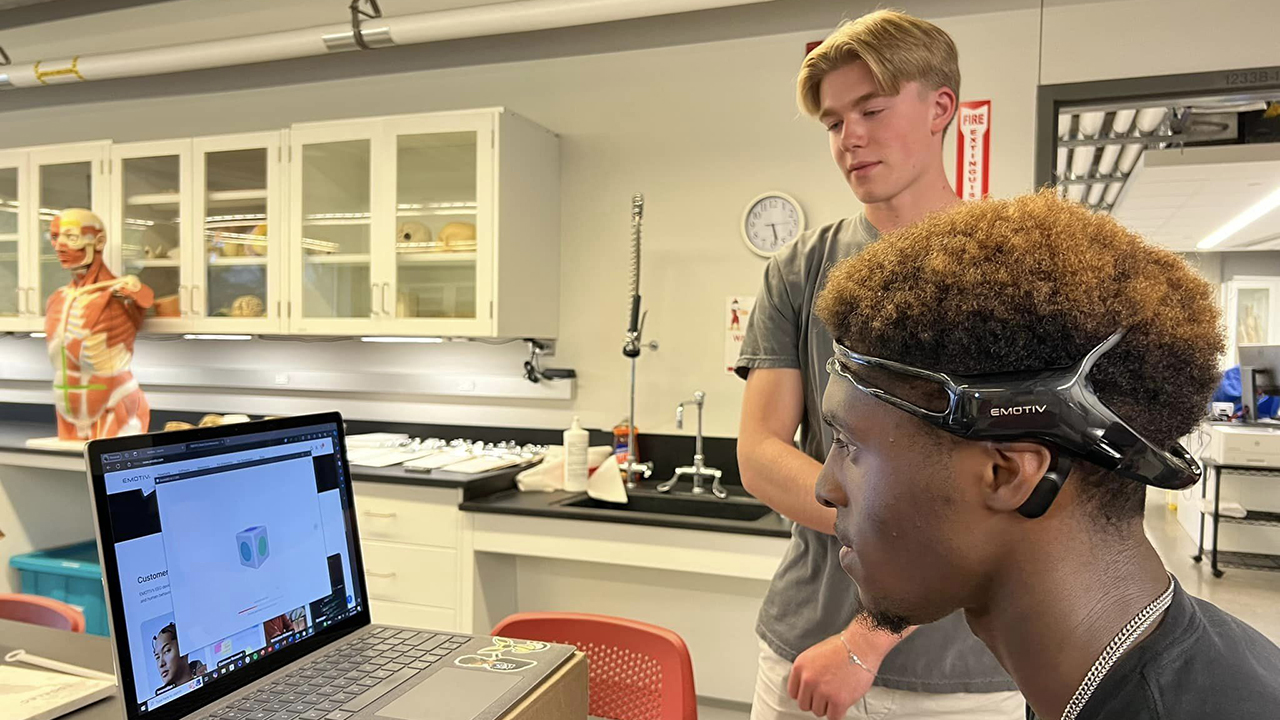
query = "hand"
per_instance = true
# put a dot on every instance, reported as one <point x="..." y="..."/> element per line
<point x="127" y="286"/>
<point x="824" y="682"/>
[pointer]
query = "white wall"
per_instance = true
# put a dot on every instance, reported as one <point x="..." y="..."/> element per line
<point x="699" y="128"/>
<point x="696" y="111"/>
<point x="1112" y="39"/>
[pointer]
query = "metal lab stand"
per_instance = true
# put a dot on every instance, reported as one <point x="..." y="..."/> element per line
<point x="1227" y="558"/>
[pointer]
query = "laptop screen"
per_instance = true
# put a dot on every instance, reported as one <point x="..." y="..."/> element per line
<point x="224" y="548"/>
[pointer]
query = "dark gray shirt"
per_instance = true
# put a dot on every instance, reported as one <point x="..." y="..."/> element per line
<point x="1199" y="662"/>
<point x="811" y="598"/>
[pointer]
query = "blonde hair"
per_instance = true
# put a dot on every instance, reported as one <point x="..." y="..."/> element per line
<point x="896" y="47"/>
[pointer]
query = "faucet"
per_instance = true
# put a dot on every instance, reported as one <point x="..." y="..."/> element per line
<point x="632" y="468"/>
<point x="698" y="470"/>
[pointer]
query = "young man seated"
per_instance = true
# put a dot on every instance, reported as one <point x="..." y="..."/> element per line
<point x="1009" y="376"/>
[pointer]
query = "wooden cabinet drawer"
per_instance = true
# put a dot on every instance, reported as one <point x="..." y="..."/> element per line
<point x="408" y="574"/>
<point x="407" y="514"/>
<point x="422" y="617"/>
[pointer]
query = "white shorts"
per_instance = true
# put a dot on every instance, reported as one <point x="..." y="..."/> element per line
<point x="772" y="702"/>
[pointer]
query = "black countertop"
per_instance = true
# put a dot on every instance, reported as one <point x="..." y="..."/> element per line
<point x="14" y="436"/>
<point x="698" y="511"/>
<point x="495" y="492"/>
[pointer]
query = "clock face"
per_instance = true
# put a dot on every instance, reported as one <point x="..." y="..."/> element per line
<point x="771" y="221"/>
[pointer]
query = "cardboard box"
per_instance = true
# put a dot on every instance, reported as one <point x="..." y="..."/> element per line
<point x="562" y="696"/>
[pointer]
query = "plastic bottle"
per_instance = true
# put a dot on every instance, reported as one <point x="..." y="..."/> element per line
<point x="576" y="442"/>
<point x="621" y="440"/>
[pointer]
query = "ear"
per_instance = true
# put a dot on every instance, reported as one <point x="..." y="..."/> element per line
<point x="100" y="241"/>
<point x="1016" y="471"/>
<point x="944" y="108"/>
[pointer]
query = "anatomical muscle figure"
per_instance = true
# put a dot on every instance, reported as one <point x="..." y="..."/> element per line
<point x="91" y="324"/>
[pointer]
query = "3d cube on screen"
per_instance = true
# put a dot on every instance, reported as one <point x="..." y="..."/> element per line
<point x="252" y="546"/>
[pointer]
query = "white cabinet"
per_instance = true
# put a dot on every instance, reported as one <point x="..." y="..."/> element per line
<point x="441" y="224"/>
<point x="60" y="177"/>
<point x="238" y="261"/>
<point x="150" y="231"/>
<point x="397" y="226"/>
<point x="1253" y="313"/>
<point x="15" y="268"/>
<point x="409" y="536"/>
<point x="199" y="222"/>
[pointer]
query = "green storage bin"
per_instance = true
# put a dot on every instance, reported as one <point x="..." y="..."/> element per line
<point x="70" y="574"/>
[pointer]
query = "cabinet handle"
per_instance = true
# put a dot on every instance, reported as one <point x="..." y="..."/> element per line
<point x="371" y="573"/>
<point x="385" y="287"/>
<point x="32" y="297"/>
<point x="195" y="293"/>
<point x="373" y="304"/>
<point x="22" y="302"/>
<point x="378" y="514"/>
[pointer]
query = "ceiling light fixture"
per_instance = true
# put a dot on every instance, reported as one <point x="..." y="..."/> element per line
<point x="1239" y="222"/>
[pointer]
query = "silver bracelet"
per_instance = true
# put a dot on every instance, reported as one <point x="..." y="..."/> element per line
<point x="853" y="656"/>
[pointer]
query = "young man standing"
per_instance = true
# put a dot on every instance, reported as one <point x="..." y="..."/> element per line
<point x="885" y="86"/>
<point x="998" y="412"/>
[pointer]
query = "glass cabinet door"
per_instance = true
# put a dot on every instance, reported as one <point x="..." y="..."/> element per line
<point x="336" y="227"/>
<point x="234" y="240"/>
<point x="58" y="186"/>
<point x="11" y="304"/>
<point x="436" y="207"/>
<point x="151" y="211"/>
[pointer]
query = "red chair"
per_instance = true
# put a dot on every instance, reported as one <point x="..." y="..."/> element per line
<point x="39" y="610"/>
<point x="635" y="671"/>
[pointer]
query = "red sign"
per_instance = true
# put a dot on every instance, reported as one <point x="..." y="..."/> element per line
<point x="809" y="47"/>
<point x="973" y="150"/>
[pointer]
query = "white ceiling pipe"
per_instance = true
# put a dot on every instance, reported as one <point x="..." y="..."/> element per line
<point x="1082" y="161"/>
<point x="1112" y="192"/>
<point x="1095" y="193"/>
<point x="1107" y="163"/>
<point x="1076" y="192"/>
<point x="485" y="20"/>
<point x="1149" y="118"/>
<point x="1129" y="157"/>
<point x="1061" y="167"/>
<point x="1123" y="120"/>
<point x="1091" y="123"/>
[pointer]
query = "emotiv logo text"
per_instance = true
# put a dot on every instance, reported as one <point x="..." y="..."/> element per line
<point x="1020" y="410"/>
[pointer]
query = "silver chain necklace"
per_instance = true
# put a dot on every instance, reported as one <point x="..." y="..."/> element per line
<point x="1115" y="649"/>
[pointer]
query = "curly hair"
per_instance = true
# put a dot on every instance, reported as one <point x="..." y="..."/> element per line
<point x="1036" y="282"/>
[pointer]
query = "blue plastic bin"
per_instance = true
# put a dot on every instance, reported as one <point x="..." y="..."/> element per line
<point x="70" y="574"/>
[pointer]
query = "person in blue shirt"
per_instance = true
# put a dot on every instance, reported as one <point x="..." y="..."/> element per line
<point x="1229" y="391"/>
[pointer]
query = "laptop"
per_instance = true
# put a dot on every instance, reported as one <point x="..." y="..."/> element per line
<point x="235" y="588"/>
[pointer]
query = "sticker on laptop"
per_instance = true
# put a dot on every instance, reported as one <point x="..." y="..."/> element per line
<point x="493" y="658"/>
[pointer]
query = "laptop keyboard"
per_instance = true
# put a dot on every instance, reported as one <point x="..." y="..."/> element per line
<point x="338" y="685"/>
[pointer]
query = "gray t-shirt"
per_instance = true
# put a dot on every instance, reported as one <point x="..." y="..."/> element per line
<point x="811" y="598"/>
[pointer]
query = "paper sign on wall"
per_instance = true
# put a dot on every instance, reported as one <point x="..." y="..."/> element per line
<point x="737" y="309"/>
<point x="973" y="150"/>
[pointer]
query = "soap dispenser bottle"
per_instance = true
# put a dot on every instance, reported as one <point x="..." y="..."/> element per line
<point x="576" y="442"/>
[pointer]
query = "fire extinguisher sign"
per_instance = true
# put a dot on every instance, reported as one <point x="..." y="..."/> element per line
<point x="973" y="150"/>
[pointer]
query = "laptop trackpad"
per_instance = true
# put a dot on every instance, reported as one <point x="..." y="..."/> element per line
<point x="450" y="694"/>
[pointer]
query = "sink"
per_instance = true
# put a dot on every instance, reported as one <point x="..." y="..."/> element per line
<point x="685" y="505"/>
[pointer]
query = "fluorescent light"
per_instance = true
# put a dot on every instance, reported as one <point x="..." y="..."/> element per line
<point x="391" y="339"/>
<point x="38" y="335"/>
<point x="1082" y="161"/>
<point x="1150" y="118"/>
<point x="1091" y="123"/>
<point x="1238" y="223"/>
<point x="1123" y="120"/>
<point x="1113" y="192"/>
<point x="1095" y="193"/>
<point x="215" y="336"/>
